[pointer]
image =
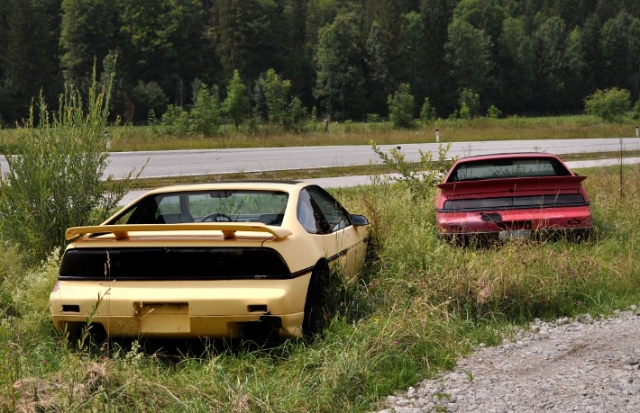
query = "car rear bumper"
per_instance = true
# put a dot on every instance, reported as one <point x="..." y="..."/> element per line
<point x="565" y="220"/>
<point x="181" y="309"/>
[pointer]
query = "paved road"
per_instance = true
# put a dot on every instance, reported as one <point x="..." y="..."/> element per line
<point x="202" y="162"/>
<point x="348" y="181"/>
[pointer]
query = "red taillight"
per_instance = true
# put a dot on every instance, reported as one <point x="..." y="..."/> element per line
<point x="56" y="287"/>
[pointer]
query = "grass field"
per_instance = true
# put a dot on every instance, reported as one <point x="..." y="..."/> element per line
<point x="141" y="138"/>
<point x="420" y="305"/>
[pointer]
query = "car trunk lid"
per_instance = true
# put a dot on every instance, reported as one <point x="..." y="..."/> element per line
<point x="546" y="184"/>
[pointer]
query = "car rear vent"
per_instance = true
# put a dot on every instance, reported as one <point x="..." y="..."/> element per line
<point x="257" y="308"/>
<point x="515" y="202"/>
<point x="70" y="308"/>
<point x="172" y="264"/>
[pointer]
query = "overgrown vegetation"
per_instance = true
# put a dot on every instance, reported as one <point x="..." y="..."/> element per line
<point x="420" y="305"/>
<point x="55" y="179"/>
<point x="611" y="104"/>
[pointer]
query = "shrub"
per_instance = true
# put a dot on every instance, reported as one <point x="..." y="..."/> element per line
<point x="205" y="113"/>
<point x="422" y="176"/>
<point x="493" y="112"/>
<point x="610" y="104"/>
<point x="469" y="104"/>
<point x="295" y="116"/>
<point x="55" y="181"/>
<point x="176" y="120"/>
<point x="401" y="106"/>
<point x="427" y="113"/>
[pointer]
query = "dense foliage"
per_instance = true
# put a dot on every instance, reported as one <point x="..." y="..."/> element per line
<point x="344" y="57"/>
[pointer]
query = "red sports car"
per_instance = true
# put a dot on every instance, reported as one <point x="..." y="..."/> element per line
<point x="507" y="196"/>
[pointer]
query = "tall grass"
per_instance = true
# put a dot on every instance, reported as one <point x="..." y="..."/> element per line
<point x="420" y="305"/>
<point x="156" y="137"/>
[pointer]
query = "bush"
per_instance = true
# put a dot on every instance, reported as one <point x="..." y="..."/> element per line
<point x="427" y="113"/>
<point x="610" y="104"/>
<point x="295" y="116"/>
<point x="421" y="177"/>
<point x="55" y="179"/>
<point x="401" y="107"/>
<point x="176" y="120"/>
<point x="469" y="104"/>
<point x="205" y="113"/>
<point x="493" y="112"/>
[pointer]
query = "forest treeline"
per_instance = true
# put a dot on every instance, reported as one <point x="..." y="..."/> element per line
<point x="342" y="57"/>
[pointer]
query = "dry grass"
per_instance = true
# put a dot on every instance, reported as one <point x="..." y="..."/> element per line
<point x="421" y="304"/>
<point x="141" y="138"/>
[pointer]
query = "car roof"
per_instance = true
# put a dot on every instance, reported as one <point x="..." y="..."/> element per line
<point x="513" y="155"/>
<point x="264" y="185"/>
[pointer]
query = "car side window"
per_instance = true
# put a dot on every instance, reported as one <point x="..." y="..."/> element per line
<point x="319" y="213"/>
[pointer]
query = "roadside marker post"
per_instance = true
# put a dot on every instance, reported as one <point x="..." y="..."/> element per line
<point x="637" y="136"/>
<point x="438" y="135"/>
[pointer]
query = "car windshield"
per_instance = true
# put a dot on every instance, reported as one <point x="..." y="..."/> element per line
<point x="207" y="206"/>
<point x="507" y="168"/>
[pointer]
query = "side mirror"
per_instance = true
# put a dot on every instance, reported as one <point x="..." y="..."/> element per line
<point x="358" y="220"/>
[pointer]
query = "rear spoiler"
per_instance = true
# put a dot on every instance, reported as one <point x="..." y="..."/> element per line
<point x="512" y="184"/>
<point x="228" y="229"/>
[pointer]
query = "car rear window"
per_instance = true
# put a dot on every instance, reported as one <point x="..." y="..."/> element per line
<point x="507" y="168"/>
<point x="267" y="207"/>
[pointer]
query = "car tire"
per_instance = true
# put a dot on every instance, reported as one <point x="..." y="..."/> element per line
<point x="315" y="314"/>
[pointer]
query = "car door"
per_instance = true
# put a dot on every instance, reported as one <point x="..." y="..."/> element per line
<point x="324" y="217"/>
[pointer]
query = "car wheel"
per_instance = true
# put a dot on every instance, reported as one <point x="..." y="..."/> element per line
<point x="315" y="308"/>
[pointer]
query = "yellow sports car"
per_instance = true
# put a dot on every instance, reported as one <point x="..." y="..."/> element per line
<point x="208" y="260"/>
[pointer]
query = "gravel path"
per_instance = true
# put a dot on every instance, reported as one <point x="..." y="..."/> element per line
<point x="580" y="365"/>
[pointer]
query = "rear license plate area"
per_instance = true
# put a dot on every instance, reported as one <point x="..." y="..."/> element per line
<point x="164" y="317"/>
<point x="514" y="234"/>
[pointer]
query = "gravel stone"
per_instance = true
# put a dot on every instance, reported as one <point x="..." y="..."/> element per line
<point x="581" y="365"/>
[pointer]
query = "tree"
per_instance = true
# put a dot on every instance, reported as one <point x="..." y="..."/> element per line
<point x="468" y="54"/>
<point x="248" y="35"/>
<point x="89" y="31"/>
<point x="205" y="112"/>
<point x="149" y="97"/>
<point x="276" y="91"/>
<point x="236" y="102"/>
<point x="412" y="62"/>
<point x="56" y="181"/>
<point x="380" y="81"/>
<point x="553" y="72"/>
<point x="436" y="16"/>
<point x="340" y="77"/>
<point x="517" y="65"/>
<point x="159" y="41"/>
<point x="401" y="107"/>
<point x="620" y="45"/>
<point x="610" y="105"/>
<point x="31" y="55"/>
